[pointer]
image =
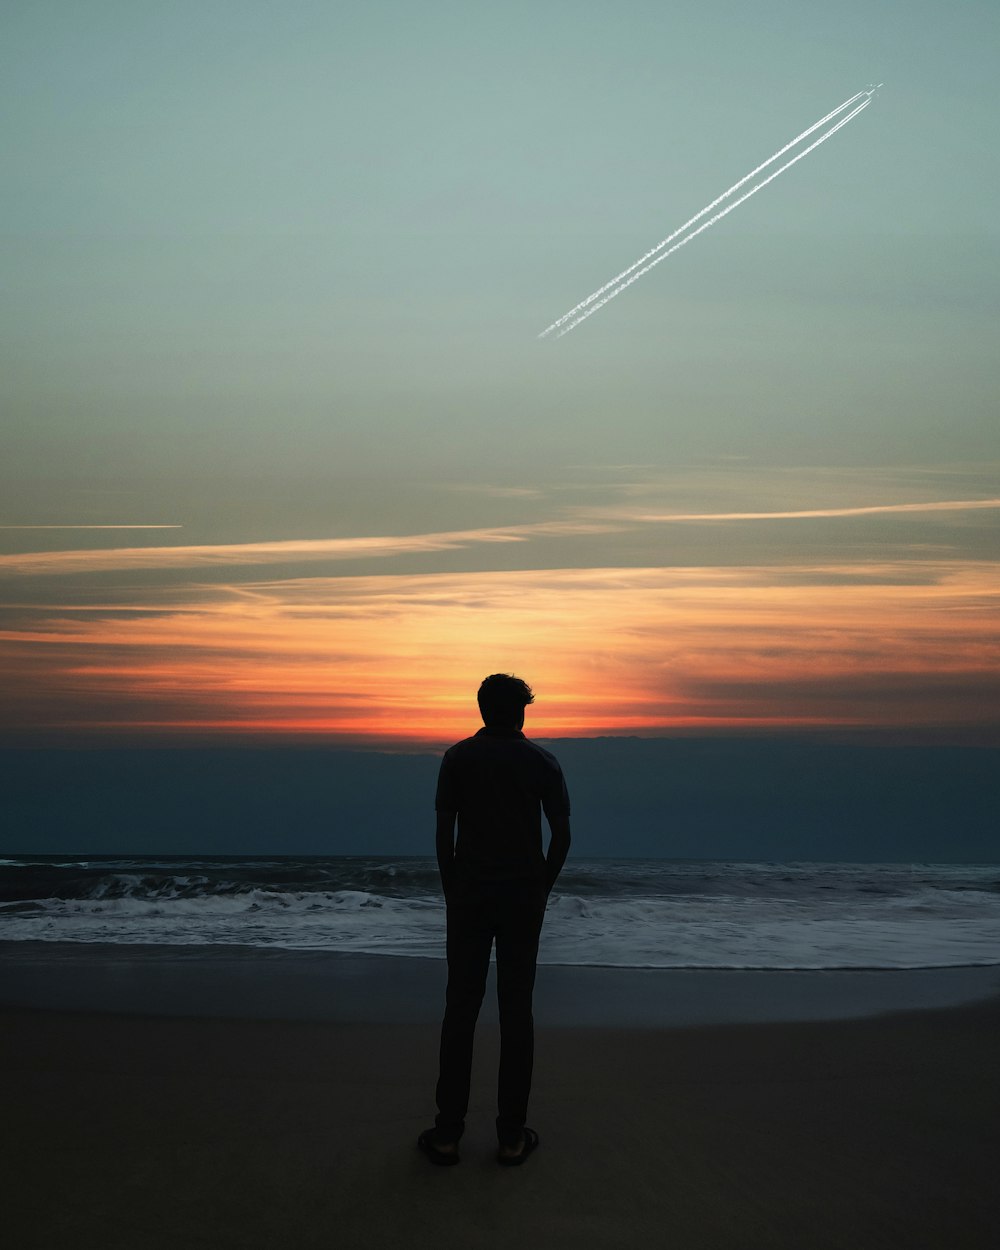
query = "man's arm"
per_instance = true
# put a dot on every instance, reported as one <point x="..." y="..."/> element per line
<point x="445" y="845"/>
<point x="558" y="846"/>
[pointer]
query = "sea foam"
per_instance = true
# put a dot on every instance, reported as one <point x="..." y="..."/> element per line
<point x="658" y="914"/>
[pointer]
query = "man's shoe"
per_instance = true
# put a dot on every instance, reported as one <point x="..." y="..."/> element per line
<point x="515" y="1161"/>
<point x="433" y="1150"/>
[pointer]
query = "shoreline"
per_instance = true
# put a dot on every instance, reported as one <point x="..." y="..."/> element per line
<point x="252" y="983"/>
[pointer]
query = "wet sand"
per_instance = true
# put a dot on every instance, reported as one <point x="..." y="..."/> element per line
<point x="248" y="982"/>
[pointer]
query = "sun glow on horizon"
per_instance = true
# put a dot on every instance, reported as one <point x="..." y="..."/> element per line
<point x="382" y="659"/>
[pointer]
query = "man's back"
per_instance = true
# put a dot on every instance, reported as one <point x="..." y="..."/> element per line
<point x="499" y="782"/>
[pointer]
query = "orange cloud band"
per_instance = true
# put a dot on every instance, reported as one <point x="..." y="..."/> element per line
<point x="609" y="650"/>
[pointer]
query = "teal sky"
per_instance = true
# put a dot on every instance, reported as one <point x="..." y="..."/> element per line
<point x="286" y="238"/>
<point x="275" y="272"/>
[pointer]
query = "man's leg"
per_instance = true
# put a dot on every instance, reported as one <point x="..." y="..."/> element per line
<point x="518" y="927"/>
<point x="470" y="937"/>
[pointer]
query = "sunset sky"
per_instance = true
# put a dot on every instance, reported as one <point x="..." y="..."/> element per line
<point x="284" y="459"/>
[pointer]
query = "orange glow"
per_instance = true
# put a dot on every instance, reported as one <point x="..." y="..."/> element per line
<point x="620" y="651"/>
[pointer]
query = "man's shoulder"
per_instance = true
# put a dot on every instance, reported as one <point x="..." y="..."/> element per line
<point x="459" y="748"/>
<point x="487" y="744"/>
<point x="546" y="755"/>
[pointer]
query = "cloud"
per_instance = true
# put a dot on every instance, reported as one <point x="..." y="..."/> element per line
<point x="583" y="521"/>
<point x="609" y="650"/>
<point x="231" y="639"/>
<point x="91" y="527"/>
<point x="286" y="551"/>
<point x="491" y="491"/>
<point x="930" y="506"/>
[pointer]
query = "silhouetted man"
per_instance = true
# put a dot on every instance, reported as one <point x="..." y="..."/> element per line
<point x="496" y="882"/>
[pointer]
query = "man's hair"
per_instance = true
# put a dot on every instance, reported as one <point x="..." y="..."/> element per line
<point x="502" y="698"/>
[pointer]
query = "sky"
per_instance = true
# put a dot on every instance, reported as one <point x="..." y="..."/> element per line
<point x="285" y="460"/>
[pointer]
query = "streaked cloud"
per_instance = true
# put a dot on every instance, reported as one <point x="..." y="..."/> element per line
<point x="91" y="527"/>
<point x="492" y="491"/>
<point x="865" y="606"/>
<point x="585" y="522"/>
<point x="286" y="551"/>
<point x="928" y="506"/>
<point x="631" y="651"/>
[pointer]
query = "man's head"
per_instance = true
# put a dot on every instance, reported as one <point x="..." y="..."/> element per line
<point x="502" y="700"/>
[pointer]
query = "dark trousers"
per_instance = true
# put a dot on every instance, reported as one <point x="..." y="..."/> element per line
<point x="510" y="913"/>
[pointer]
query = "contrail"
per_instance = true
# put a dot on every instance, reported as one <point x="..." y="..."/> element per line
<point x="588" y="306"/>
<point x="707" y="209"/>
<point x="711" y="222"/>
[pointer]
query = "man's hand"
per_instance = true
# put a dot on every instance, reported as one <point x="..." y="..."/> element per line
<point x="445" y="845"/>
<point x="558" y="848"/>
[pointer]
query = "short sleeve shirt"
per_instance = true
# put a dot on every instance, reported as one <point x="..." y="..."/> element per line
<point x="499" y="783"/>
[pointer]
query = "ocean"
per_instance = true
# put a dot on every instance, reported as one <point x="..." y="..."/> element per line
<point x="611" y="913"/>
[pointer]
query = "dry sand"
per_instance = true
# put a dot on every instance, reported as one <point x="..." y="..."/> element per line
<point x="140" y="1132"/>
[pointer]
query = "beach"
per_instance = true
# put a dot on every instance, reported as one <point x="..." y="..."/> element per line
<point x="158" y="1120"/>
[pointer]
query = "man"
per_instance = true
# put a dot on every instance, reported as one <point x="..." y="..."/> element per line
<point x="496" y="882"/>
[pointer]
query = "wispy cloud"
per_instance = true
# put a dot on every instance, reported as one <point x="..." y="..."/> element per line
<point x="930" y="506"/>
<point x="91" y="527"/>
<point x="286" y="551"/>
<point x="582" y="521"/>
<point x="492" y="491"/>
<point x="322" y="636"/>
<point x="612" y="650"/>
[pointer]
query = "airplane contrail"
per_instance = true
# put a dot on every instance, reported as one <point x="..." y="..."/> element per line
<point x="711" y="222"/>
<point x="587" y="306"/>
<point x="707" y="209"/>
